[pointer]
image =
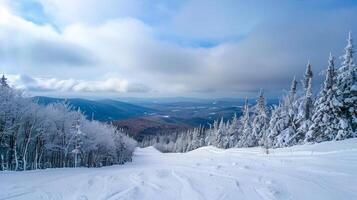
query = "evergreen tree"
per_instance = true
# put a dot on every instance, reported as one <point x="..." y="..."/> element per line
<point x="233" y="131"/>
<point x="346" y="89"/>
<point x="292" y="93"/>
<point x="210" y="136"/>
<point x="260" y="121"/>
<point x="307" y="76"/>
<point x="325" y="120"/>
<point x="283" y="121"/>
<point x="220" y="135"/>
<point x="305" y="109"/>
<point x="197" y="138"/>
<point x="3" y="81"/>
<point x="307" y="103"/>
<point x="245" y="130"/>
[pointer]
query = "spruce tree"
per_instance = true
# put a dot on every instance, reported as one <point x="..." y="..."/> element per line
<point x="346" y="89"/>
<point x="307" y="103"/>
<point x="293" y="89"/>
<point x="245" y="130"/>
<point x="305" y="109"/>
<point x="221" y="140"/>
<point x="260" y="121"/>
<point x="325" y="120"/>
<point x="283" y="125"/>
<point x="307" y="76"/>
<point x="3" y="81"/>
<point x="233" y="131"/>
<point x="274" y="127"/>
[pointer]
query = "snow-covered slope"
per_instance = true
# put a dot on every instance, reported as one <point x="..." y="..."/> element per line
<point x="321" y="171"/>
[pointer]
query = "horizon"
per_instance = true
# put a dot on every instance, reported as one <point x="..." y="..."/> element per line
<point x="163" y="100"/>
<point x="192" y="48"/>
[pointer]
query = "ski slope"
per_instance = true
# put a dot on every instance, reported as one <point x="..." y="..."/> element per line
<point x="321" y="171"/>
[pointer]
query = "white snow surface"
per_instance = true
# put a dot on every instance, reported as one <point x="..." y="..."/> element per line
<point x="320" y="171"/>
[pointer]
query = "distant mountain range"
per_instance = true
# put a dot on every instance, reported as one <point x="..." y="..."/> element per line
<point x="150" y="116"/>
<point x="102" y="110"/>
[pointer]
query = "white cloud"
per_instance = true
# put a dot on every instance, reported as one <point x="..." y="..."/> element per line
<point x="29" y="48"/>
<point x="108" y="85"/>
<point x="89" y="56"/>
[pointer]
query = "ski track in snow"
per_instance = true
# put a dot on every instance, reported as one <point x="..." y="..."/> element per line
<point x="320" y="171"/>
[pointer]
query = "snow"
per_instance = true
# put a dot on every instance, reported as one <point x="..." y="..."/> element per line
<point x="320" y="171"/>
<point x="354" y="87"/>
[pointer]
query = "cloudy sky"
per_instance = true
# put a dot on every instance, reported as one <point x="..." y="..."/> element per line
<point x="195" y="48"/>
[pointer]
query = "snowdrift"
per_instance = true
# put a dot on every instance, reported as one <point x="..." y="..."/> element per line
<point x="320" y="171"/>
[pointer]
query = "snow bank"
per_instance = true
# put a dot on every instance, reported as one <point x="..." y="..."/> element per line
<point x="320" y="171"/>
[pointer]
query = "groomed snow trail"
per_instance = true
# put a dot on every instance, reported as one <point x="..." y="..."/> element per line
<point x="321" y="171"/>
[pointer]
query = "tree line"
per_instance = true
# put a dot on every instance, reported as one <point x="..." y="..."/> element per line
<point x="299" y="118"/>
<point x="33" y="136"/>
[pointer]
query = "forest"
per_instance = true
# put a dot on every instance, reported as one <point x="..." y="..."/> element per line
<point x="299" y="118"/>
<point x="34" y="136"/>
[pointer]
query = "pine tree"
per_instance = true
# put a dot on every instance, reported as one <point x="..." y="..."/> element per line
<point x="274" y="127"/>
<point x="346" y="89"/>
<point x="220" y="135"/>
<point x="226" y="136"/>
<point x="260" y="121"/>
<point x="233" y="132"/>
<point x="307" y="76"/>
<point x="210" y="136"/>
<point x="305" y="109"/>
<point x="197" y="138"/>
<point x="3" y="81"/>
<point x="325" y="120"/>
<point x="245" y="130"/>
<point x="308" y="101"/>
<point x="283" y="125"/>
<point x="292" y="93"/>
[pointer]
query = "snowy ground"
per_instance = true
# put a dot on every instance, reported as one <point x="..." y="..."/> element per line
<point x="322" y="171"/>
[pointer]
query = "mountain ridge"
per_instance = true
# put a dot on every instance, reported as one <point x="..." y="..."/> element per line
<point x="101" y="110"/>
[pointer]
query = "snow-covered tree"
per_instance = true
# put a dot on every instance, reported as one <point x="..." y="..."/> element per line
<point x="283" y="125"/>
<point x="196" y="139"/>
<point x="307" y="76"/>
<point x="37" y="137"/>
<point x="245" y="139"/>
<point x="305" y="109"/>
<point x="307" y="103"/>
<point x="325" y="120"/>
<point x="346" y="89"/>
<point x="260" y="121"/>
<point x="293" y="89"/>
<point x="221" y="135"/>
<point x="77" y="139"/>
<point x="211" y="133"/>
<point x="296" y="119"/>
<point x="233" y="132"/>
<point x="3" y="81"/>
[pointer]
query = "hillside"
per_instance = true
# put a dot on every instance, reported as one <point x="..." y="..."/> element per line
<point x="102" y="110"/>
<point x="321" y="171"/>
<point x="150" y="125"/>
<point x="148" y="116"/>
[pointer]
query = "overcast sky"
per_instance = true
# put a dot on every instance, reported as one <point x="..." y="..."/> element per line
<point x="194" y="48"/>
